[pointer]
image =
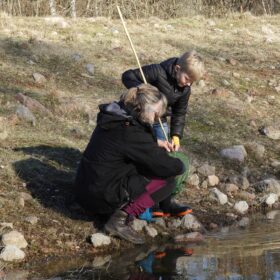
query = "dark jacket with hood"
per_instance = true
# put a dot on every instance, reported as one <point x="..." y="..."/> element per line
<point x="121" y="154"/>
<point x="163" y="77"/>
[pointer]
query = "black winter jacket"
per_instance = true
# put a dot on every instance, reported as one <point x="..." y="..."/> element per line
<point x="121" y="154"/>
<point x="163" y="77"/>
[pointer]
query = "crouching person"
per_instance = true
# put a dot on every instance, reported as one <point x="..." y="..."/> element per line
<point x="123" y="171"/>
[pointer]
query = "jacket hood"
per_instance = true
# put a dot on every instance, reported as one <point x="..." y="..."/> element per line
<point x="111" y="114"/>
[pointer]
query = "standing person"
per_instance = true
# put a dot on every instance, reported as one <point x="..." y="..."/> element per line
<point x="173" y="77"/>
<point x="123" y="171"/>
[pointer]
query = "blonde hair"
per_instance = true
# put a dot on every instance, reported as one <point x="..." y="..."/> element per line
<point x="142" y="98"/>
<point x="192" y="64"/>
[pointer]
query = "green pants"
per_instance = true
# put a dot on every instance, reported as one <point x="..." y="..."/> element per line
<point x="180" y="180"/>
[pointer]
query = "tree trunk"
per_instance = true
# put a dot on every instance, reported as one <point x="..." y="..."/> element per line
<point x="73" y="8"/>
<point x="52" y="7"/>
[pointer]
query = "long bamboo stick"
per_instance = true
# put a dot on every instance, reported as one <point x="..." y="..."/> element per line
<point x="138" y="62"/>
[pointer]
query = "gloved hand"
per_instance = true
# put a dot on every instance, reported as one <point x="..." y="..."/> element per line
<point x="175" y="143"/>
<point x="147" y="215"/>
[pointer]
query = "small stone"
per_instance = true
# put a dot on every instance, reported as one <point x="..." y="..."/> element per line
<point x="213" y="180"/>
<point x="3" y="134"/>
<point x="39" y="78"/>
<point x="189" y="237"/>
<point x="76" y="57"/>
<point x="14" y="238"/>
<point x="100" y="261"/>
<point x="115" y="31"/>
<point x="213" y="226"/>
<point x="25" y="114"/>
<point x="138" y="225"/>
<point x="6" y="225"/>
<point x="90" y="69"/>
<point x="246" y="196"/>
<point x="31" y="220"/>
<point x="218" y="196"/>
<point x="241" y="207"/>
<point x="226" y="83"/>
<point x="236" y="75"/>
<point x="268" y="185"/>
<point x="271" y="199"/>
<point x="12" y="253"/>
<point x="272" y="214"/>
<point x="275" y="163"/>
<point x="190" y="222"/>
<point x="201" y="83"/>
<point x="241" y="181"/>
<point x="160" y="222"/>
<point x="204" y="184"/>
<point x="237" y="152"/>
<point x="206" y="170"/>
<point x="151" y="231"/>
<point x="21" y="202"/>
<point x="232" y="61"/>
<point x="232" y="216"/>
<point x="277" y="89"/>
<point x="174" y="223"/>
<point x="271" y="132"/>
<point x="193" y="180"/>
<point x="231" y="189"/>
<point x="100" y="239"/>
<point x="244" y="222"/>
<point x="25" y="196"/>
<point x="211" y="22"/>
<point x="255" y="149"/>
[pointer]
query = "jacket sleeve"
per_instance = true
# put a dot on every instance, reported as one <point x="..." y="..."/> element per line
<point x="141" y="149"/>
<point x="178" y="118"/>
<point x="133" y="78"/>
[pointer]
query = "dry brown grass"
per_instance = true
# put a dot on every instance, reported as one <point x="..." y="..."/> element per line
<point x="42" y="160"/>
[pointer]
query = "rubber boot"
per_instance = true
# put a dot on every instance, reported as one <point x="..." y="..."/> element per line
<point x="119" y="225"/>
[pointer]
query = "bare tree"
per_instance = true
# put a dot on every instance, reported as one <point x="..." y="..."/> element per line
<point x="73" y="8"/>
<point x="52" y="7"/>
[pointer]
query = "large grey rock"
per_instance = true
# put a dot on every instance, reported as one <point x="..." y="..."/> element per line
<point x="193" y="180"/>
<point x="90" y="69"/>
<point x="213" y="180"/>
<point x="244" y="222"/>
<point x="218" y="196"/>
<point x="138" y="225"/>
<point x="231" y="188"/>
<point x="241" y="207"/>
<point x="272" y="214"/>
<point x="189" y="237"/>
<point x="244" y="195"/>
<point x="271" y="198"/>
<point x="268" y="185"/>
<point x="100" y="239"/>
<point x="14" y="238"/>
<point x="39" y="78"/>
<point x="237" y="152"/>
<point x="190" y="222"/>
<point x="25" y="114"/>
<point x="12" y="253"/>
<point x="151" y="231"/>
<point x="272" y="132"/>
<point x="206" y="170"/>
<point x="255" y="149"/>
<point x="160" y="222"/>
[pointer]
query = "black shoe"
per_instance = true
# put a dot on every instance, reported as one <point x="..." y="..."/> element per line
<point x="120" y="225"/>
<point x="174" y="210"/>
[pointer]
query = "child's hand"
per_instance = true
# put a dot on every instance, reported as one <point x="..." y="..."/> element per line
<point x="166" y="145"/>
<point x="175" y="143"/>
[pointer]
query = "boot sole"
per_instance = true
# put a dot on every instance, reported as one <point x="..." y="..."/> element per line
<point x="113" y="232"/>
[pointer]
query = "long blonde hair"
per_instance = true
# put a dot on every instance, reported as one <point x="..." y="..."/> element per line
<point x="142" y="98"/>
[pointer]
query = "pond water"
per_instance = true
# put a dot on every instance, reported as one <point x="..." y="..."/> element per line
<point x="232" y="253"/>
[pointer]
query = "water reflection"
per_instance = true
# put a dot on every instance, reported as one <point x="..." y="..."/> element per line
<point x="252" y="253"/>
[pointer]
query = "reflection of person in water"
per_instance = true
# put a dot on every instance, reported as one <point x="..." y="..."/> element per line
<point x="159" y="264"/>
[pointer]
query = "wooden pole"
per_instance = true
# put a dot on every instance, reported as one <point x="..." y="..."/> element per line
<point x="138" y="62"/>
